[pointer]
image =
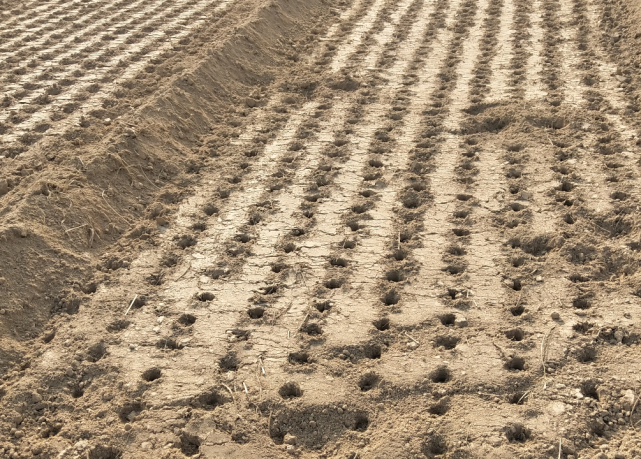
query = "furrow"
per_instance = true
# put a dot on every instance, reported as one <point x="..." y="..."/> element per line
<point x="342" y="56"/>
<point x="42" y="116"/>
<point x="436" y="223"/>
<point x="533" y="84"/>
<point x="50" y="52"/>
<point x="67" y="10"/>
<point x="500" y="70"/>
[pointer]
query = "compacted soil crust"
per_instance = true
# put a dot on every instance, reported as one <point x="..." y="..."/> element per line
<point x="320" y="228"/>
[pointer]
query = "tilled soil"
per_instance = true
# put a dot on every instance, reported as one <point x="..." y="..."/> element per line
<point x="356" y="229"/>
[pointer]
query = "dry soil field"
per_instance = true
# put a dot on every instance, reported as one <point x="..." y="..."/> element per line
<point x="321" y="228"/>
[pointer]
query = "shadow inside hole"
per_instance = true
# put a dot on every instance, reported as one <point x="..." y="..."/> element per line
<point x="333" y="284"/>
<point x="205" y="296"/>
<point x="517" y="433"/>
<point x="290" y="390"/>
<point x="322" y="306"/>
<point x="460" y="232"/>
<point x="515" y="334"/>
<point x="517" y="310"/>
<point x="278" y="267"/>
<point x="447" y="319"/>
<point x="256" y="313"/>
<point x="229" y="362"/>
<point x="340" y="262"/>
<point x="372" y="351"/>
<point x="589" y="389"/>
<point x="518" y="261"/>
<point x="368" y="381"/>
<point x="347" y="244"/>
<point x="392" y="297"/>
<point x="299" y="358"/>
<point x="516" y="364"/>
<point x="582" y="303"/>
<point x="436" y="445"/>
<point x="308" y="213"/>
<point x="361" y="422"/>
<point x="187" y="319"/>
<point x="189" y="444"/>
<point x="447" y="342"/>
<point x="312" y="329"/>
<point x="440" y="408"/>
<point x="381" y="324"/>
<point x="518" y="398"/>
<point x="582" y="327"/>
<point x="395" y="276"/>
<point x="440" y="375"/>
<point x="586" y="354"/>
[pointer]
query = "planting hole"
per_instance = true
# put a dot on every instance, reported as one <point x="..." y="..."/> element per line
<point x="205" y="296"/>
<point x="460" y="232"/>
<point x="515" y="334"/>
<point x="381" y="324"/>
<point x="299" y="358"/>
<point x="589" y="389"/>
<point x="440" y="375"/>
<point x="391" y="298"/>
<point x="229" y="362"/>
<point x="517" y="433"/>
<point x="187" y="319"/>
<point x="581" y="303"/>
<point x="341" y="262"/>
<point x="396" y="276"/>
<point x="446" y="341"/>
<point x="373" y="351"/>
<point x="323" y="306"/>
<point x="290" y="390"/>
<point x="464" y="197"/>
<point x="289" y="247"/>
<point x="312" y="329"/>
<point x="278" y="267"/>
<point x="516" y="364"/>
<point x="447" y="319"/>
<point x="361" y="423"/>
<point x="256" y="313"/>
<point x="517" y="310"/>
<point x="586" y="354"/>
<point x="151" y="374"/>
<point x="333" y="283"/>
<point x="368" y="381"/>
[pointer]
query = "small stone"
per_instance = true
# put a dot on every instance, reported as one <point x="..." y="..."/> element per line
<point x="160" y="319"/>
<point x="412" y="345"/>
<point x="162" y="221"/>
<point x="555" y="316"/>
<point x="339" y="410"/>
<point x="312" y="424"/>
<point x="289" y="439"/>
<point x="18" y="434"/>
<point x="251" y="103"/>
<point x="4" y="187"/>
<point x="618" y="335"/>
<point x="3" y="312"/>
<point x="460" y="322"/>
<point x="291" y="449"/>
<point x="145" y="445"/>
<point x="539" y="279"/>
<point x="627" y="401"/>
<point x="107" y="121"/>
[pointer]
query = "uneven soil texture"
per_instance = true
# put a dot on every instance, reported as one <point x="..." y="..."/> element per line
<point x="320" y="228"/>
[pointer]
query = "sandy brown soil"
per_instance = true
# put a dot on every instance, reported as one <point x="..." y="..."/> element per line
<point x="354" y="229"/>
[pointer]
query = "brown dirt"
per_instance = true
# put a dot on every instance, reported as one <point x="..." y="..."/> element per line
<point x="357" y="229"/>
